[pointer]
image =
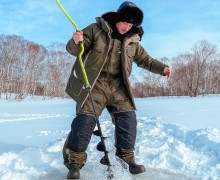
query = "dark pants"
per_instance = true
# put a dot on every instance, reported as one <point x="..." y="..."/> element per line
<point x="81" y="132"/>
<point x="83" y="126"/>
<point x="125" y="129"/>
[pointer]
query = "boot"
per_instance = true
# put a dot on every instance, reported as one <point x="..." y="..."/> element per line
<point x="74" y="162"/>
<point x="66" y="154"/>
<point x="127" y="155"/>
<point x="74" y="172"/>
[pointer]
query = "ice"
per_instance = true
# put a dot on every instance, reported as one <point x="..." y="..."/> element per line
<point x="178" y="138"/>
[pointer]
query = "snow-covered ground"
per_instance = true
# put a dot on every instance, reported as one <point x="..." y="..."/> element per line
<point x="178" y="138"/>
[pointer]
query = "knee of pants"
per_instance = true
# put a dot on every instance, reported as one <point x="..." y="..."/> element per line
<point x="81" y="132"/>
<point x="125" y="129"/>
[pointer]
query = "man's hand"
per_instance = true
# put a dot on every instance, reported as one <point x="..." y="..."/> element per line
<point x="78" y="37"/>
<point x="167" y="71"/>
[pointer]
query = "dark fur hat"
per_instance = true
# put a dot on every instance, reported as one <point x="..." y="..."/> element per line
<point x="112" y="18"/>
<point x="129" y="12"/>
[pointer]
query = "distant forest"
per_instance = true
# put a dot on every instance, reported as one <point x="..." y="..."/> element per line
<point x="29" y="69"/>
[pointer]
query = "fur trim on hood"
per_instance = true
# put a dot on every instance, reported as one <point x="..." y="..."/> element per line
<point x="112" y="18"/>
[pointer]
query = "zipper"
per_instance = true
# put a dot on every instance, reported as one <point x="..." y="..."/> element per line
<point x="102" y="64"/>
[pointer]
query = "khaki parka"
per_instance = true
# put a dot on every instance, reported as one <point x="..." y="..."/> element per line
<point x="97" y="40"/>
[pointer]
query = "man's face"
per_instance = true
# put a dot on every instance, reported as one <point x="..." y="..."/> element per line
<point x="123" y="27"/>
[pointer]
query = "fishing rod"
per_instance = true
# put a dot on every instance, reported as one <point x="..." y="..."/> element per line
<point x="101" y="146"/>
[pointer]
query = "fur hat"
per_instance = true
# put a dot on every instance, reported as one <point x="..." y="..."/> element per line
<point x="112" y="18"/>
<point x="129" y="12"/>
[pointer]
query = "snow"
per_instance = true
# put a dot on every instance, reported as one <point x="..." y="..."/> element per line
<point x="178" y="138"/>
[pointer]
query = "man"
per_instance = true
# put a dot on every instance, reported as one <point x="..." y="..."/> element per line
<point x="111" y="46"/>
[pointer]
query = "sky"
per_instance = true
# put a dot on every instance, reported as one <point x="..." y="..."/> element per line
<point x="171" y="27"/>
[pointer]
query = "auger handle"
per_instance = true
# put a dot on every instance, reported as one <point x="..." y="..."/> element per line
<point x="86" y="81"/>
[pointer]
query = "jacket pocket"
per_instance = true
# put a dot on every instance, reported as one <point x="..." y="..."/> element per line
<point x="74" y="84"/>
<point x="95" y="58"/>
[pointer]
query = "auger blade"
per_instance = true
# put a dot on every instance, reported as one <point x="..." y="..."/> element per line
<point x="100" y="147"/>
<point x="97" y="133"/>
<point x="104" y="160"/>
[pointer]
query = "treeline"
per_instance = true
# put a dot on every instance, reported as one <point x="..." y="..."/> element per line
<point x="28" y="69"/>
<point x="195" y="73"/>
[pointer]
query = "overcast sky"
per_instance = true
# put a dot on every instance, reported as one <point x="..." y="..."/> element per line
<point x="171" y="27"/>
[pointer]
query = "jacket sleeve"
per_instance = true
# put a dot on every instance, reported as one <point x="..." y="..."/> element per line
<point x="74" y="48"/>
<point x="145" y="61"/>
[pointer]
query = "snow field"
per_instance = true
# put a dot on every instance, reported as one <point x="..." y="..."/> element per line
<point x="32" y="134"/>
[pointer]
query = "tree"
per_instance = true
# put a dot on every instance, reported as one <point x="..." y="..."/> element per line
<point x="152" y="85"/>
<point x="58" y="64"/>
<point x="191" y="71"/>
<point x="27" y="68"/>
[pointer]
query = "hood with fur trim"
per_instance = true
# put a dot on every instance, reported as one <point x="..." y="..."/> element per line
<point x="112" y="18"/>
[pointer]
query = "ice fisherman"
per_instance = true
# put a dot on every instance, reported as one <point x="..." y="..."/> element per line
<point x="111" y="44"/>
